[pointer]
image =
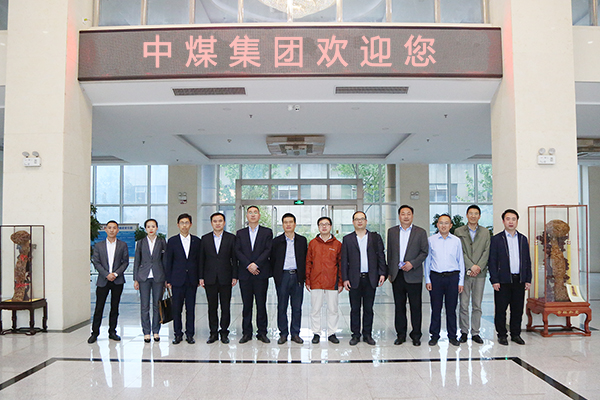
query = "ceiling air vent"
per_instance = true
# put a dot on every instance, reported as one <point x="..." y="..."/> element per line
<point x="296" y="146"/>
<point x="371" y="90"/>
<point x="107" y="160"/>
<point x="209" y="91"/>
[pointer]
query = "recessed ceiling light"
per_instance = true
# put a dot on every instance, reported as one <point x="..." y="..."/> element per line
<point x="355" y="108"/>
<point x="227" y="109"/>
<point x="385" y="129"/>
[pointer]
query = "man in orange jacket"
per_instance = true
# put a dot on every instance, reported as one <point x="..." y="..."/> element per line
<point x="324" y="279"/>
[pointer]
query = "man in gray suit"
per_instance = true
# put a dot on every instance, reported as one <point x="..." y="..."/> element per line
<point x="407" y="250"/>
<point x="111" y="259"/>
<point x="475" y="241"/>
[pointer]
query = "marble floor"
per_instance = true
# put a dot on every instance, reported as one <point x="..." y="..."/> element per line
<point x="62" y="365"/>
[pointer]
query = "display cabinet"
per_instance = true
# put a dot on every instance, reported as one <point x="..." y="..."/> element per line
<point x="22" y="275"/>
<point x="558" y="240"/>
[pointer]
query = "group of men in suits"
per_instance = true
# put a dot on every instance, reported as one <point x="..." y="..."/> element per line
<point x="451" y="265"/>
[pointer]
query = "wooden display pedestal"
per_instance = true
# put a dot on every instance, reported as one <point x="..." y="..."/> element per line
<point x="15" y="306"/>
<point x="561" y="309"/>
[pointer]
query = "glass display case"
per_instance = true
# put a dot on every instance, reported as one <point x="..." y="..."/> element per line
<point x="22" y="274"/>
<point x="558" y="240"/>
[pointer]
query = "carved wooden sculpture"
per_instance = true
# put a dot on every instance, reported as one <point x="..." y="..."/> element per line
<point x="23" y="266"/>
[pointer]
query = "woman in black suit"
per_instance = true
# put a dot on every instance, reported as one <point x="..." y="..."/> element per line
<point x="149" y="276"/>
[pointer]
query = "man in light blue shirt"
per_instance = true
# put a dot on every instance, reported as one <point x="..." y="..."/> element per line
<point x="444" y="278"/>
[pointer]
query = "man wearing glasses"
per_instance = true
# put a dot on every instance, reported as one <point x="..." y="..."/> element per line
<point x="363" y="270"/>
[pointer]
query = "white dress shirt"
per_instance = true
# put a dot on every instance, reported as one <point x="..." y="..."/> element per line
<point x="404" y="236"/>
<point x="217" y="239"/>
<point x="186" y="241"/>
<point x="151" y="247"/>
<point x="110" y="249"/>
<point x="364" y="259"/>
<point x="513" y="252"/>
<point x="290" y="255"/>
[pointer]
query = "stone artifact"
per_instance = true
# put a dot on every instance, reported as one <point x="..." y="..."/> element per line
<point x="23" y="266"/>
<point x="557" y="233"/>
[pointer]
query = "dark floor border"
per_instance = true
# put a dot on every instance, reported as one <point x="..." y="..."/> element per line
<point x="528" y="367"/>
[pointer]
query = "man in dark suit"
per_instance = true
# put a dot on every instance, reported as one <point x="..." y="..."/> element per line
<point x="252" y="249"/>
<point x="111" y="259"/>
<point x="181" y="270"/>
<point x="363" y="270"/>
<point x="218" y="274"/>
<point x="510" y="273"/>
<point x="407" y="249"/>
<point x="288" y="260"/>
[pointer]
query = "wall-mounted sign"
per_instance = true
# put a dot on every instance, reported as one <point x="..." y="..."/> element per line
<point x="217" y="52"/>
<point x="299" y="202"/>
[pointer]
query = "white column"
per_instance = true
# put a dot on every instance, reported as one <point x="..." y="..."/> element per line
<point x="534" y="107"/>
<point x="46" y="111"/>
<point x="183" y="179"/>
<point x="415" y="178"/>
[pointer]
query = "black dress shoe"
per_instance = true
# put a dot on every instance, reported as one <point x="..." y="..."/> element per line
<point x="263" y="338"/>
<point x="354" y="341"/>
<point x="316" y="339"/>
<point x="399" y="341"/>
<point x="212" y="338"/>
<point x="297" y="339"/>
<point x="517" y="340"/>
<point x="416" y="342"/>
<point x="114" y="337"/>
<point x="245" y="339"/>
<point x="454" y="342"/>
<point x="369" y="340"/>
<point x="333" y="339"/>
<point x="92" y="338"/>
<point x="190" y="339"/>
<point x="224" y="339"/>
<point x="177" y="339"/>
<point x="156" y="338"/>
<point x="147" y="339"/>
<point x="463" y="338"/>
<point x="477" y="339"/>
<point x="503" y="341"/>
<point x="282" y="340"/>
<point x="433" y="342"/>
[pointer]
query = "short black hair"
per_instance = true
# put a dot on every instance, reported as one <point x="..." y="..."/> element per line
<point x="112" y="221"/>
<point x="257" y="209"/>
<point x="216" y="214"/>
<point x="412" y="210"/>
<point x="362" y="212"/>
<point x="445" y="215"/>
<point x="510" y="211"/>
<point x="474" y="207"/>
<point x="322" y="218"/>
<point x="184" y="216"/>
<point x="151" y="219"/>
<point x="288" y="215"/>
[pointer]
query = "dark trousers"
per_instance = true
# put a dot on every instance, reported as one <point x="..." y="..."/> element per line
<point x="512" y="294"/>
<point x="254" y="289"/>
<point x="364" y="294"/>
<point x="214" y="294"/>
<point x="289" y="289"/>
<point x="115" y="297"/>
<point x="444" y="289"/>
<point x="147" y="286"/>
<point x="412" y="291"/>
<point x="184" y="294"/>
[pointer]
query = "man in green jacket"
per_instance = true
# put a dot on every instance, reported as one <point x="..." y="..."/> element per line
<point x="475" y="241"/>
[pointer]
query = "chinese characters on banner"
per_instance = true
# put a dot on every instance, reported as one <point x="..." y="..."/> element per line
<point x="289" y="51"/>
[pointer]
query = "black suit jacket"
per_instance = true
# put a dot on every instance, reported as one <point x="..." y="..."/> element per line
<point x="120" y="262"/>
<point x="218" y="268"/>
<point x="351" y="259"/>
<point x="144" y="262"/>
<point x="278" y="256"/>
<point x="260" y="255"/>
<point x="499" y="262"/>
<point x="416" y="253"/>
<point x="178" y="268"/>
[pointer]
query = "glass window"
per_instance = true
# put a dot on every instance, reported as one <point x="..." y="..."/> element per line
<point x="255" y="171"/>
<point x="433" y="210"/>
<point x="313" y="171"/>
<point x="373" y="181"/>
<point x="309" y="192"/>
<point x="284" y="171"/>
<point x="438" y="183"/>
<point x="208" y="12"/>
<point x="343" y="170"/>
<point x="229" y="212"/>
<point x="168" y="12"/>
<point x="255" y="192"/>
<point x="120" y="12"/>
<point x="255" y="11"/>
<point x="161" y="214"/>
<point x="135" y="184"/>
<point x="581" y="12"/>
<point x="159" y="184"/>
<point x="284" y="192"/>
<point x="327" y="15"/>
<point x="375" y="224"/>
<point x="484" y="183"/>
<point x="339" y="192"/>
<point x="106" y="214"/>
<point x="462" y="183"/>
<point x="227" y="176"/>
<point x="209" y="183"/>
<point x="108" y="184"/>
<point x="364" y="11"/>
<point x="413" y="11"/>
<point x="487" y="216"/>
<point x="465" y="11"/>
<point x="134" y="215"/>
<point x="3" y="15"/>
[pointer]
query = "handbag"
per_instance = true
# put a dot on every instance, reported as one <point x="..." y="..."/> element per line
<point x="166" y="307"/>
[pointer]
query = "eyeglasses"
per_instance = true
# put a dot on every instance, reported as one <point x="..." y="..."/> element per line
<point x="327" y="224"/>
<point x="444" y="223"/>
<point x="360" y="219"/>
